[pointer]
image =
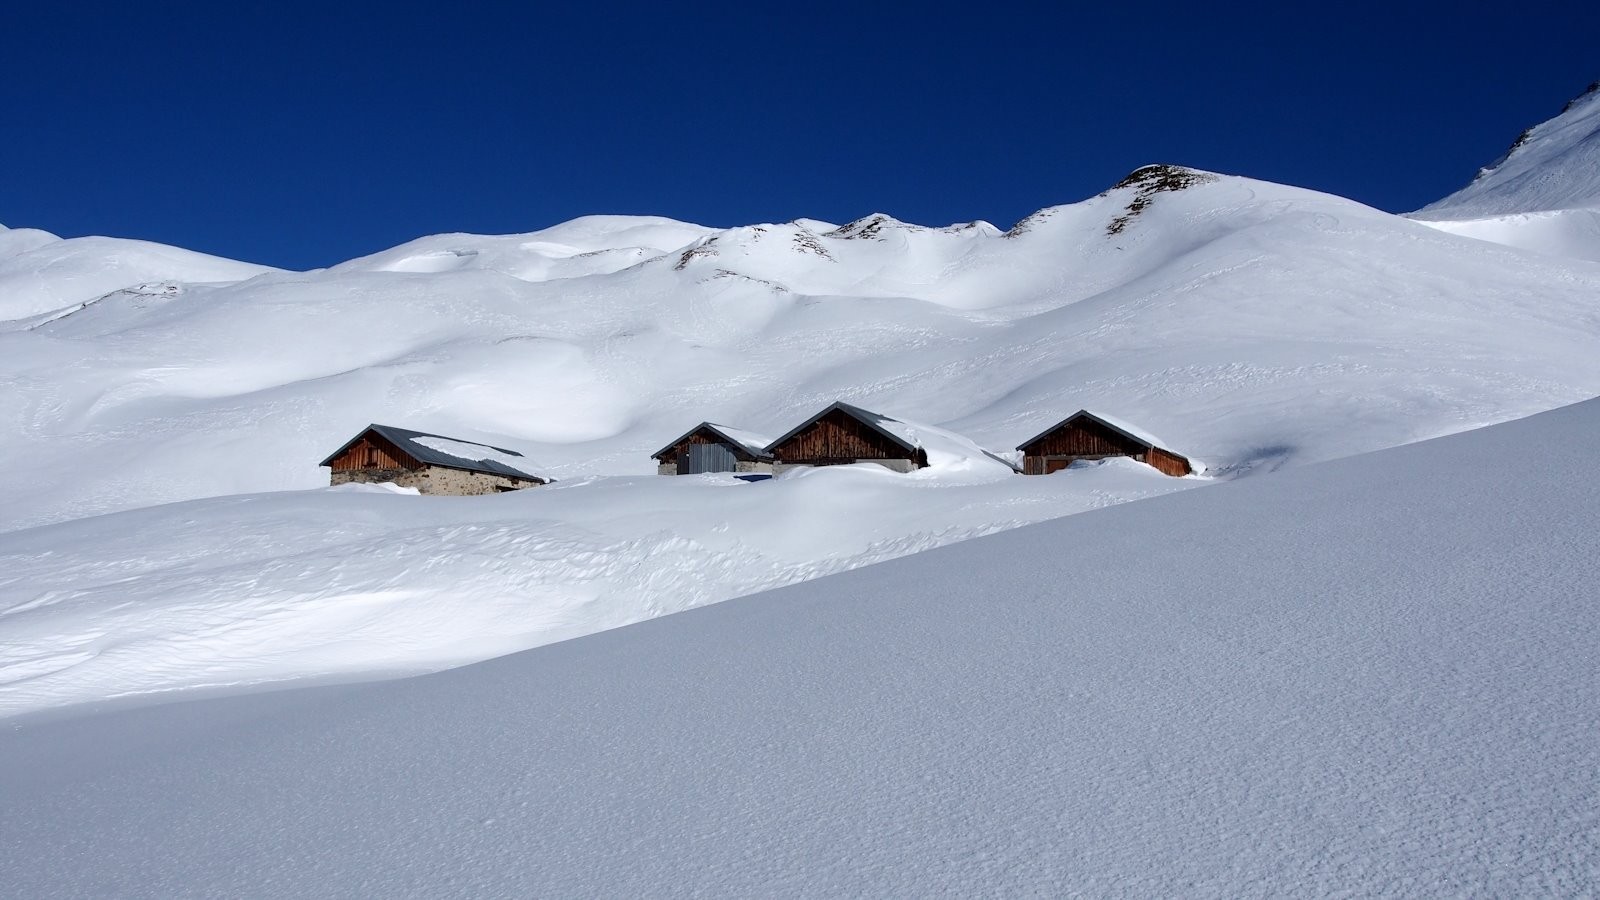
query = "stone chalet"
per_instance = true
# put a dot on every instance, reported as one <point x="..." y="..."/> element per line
<point x="431" y="463"/>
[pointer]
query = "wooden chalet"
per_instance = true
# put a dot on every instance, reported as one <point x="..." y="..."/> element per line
<point x="843" y="434"/>
<point x="1085" y="435"/>
<point x="431" y="463"/>
<point x="709" y="447"/>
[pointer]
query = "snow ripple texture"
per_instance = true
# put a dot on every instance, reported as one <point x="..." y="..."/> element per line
<point x="1374" y="676"/>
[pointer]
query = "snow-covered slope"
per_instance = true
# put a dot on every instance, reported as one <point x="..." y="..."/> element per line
<point x="1553" y="165"/>
<point x="361" y="582"/>
<point x="1251" y="325"/>
<point x="41" y="273"/>
<point x="1572" y="233"/>
<point x="1247" y="322"/>
<point x="1368" y="677"/>
<point x="1542" y="195"/>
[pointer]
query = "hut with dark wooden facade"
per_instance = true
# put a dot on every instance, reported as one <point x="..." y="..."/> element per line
<point x="1085" y="435"/>
<point x="709" y="447"/>
<point x="431" y="463"/>
<point x="844" y="434"/>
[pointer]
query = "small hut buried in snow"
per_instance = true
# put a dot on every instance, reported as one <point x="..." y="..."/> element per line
<point x="843" y="434"/>
<point x="1087" y="435"/>
<point x="709" y="447"/>
<point x="431" y="463"/>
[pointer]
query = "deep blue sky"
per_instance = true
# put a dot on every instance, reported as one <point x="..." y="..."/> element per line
<point x="304" y="135"/>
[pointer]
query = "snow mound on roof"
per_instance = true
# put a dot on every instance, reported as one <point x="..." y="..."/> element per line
<point x="947" y="451"/>
<point x="478" y="453"/>
<point x="1132" y="430"/>
<point x="752" y="442"/>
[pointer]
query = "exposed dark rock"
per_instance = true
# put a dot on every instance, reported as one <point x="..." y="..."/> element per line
<point x="1149" y="181"/>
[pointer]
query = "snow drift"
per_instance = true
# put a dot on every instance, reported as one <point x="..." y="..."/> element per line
<point x="1369" y="676"/>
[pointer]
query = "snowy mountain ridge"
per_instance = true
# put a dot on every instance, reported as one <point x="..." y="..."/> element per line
<point x="1253" y="325"/>
<point x="586" y="344"/>
<point x="1543" y="194"/>
<point x="1553" y="165"/>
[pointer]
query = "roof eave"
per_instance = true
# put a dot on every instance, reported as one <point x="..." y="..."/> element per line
<point x="1085" y="414"/>
<point x="707" y="426"/>
<point x="372" y="428"/>
<point x="853" y="412"/>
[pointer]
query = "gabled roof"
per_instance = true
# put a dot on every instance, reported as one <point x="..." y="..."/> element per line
<point x="931" y="445"/>
<point x="748" y="441"/>
<point x="877" y="422"/>
<point x="448" y="453"/>
<point x="1137" y="435"/>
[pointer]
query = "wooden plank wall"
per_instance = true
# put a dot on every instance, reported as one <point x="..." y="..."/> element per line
<point x="677" y="451"/>
<point x="1084" y="438"/>
<point x="837" y="437"/>
<point x="1087" y="439"/>
<point x="1170" y="463"/>
<point x="373" y="452"/>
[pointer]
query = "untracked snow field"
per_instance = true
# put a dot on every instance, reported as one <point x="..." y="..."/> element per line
<point x="1373" y="676"/>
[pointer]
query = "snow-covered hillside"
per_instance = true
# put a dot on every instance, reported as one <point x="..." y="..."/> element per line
<point x="1252" y="325"/>
<point x="361" y="581"/>
<point x="43" y="274"/>
<point x="1374" y="676"/>
<point x="1553" y="165"/>
<point x="1542" y="195"/>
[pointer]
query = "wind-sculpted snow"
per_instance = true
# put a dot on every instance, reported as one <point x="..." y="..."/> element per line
<point x="1246" y="322"/>
<point x="1252" y="326"/>
<point x="1572" y="233"/>
<point x="359" y="581"/>
<point x="1370" y="677"/>
<point x="40" y="273"/>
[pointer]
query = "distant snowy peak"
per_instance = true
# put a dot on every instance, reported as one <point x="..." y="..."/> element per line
<point x="41" y="273"/>
<point x="16" y="241"/>
<point x="585" y="246"/>
<point x="1137" y="191"/>
<point x="1554" y="165"/>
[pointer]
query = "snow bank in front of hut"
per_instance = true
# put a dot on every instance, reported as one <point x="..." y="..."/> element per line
<point x="1319" y="699"/>
<point x="382" y="487"/>
<point x="359" y="581"/>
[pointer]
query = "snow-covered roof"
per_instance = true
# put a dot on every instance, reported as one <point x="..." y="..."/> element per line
<point x="1129" y="431"/>
<point x="450" y="453"/>
<point x="940" y="446"/>
<point x="748" y="441"/>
